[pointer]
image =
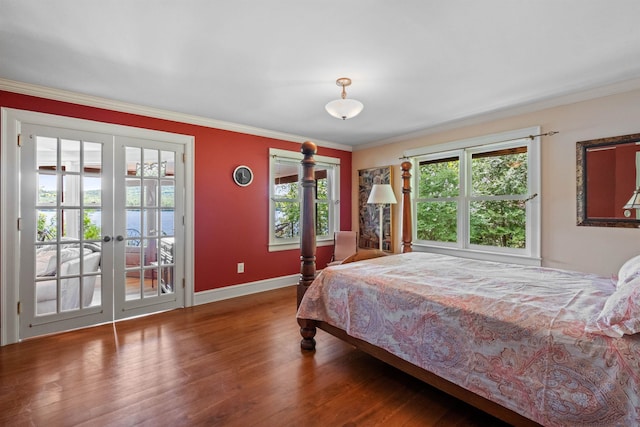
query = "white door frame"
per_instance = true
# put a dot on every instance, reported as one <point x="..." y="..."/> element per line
<point x="11" y="120"/>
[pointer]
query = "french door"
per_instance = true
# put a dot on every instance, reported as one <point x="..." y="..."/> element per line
<point x="101" y="228"/>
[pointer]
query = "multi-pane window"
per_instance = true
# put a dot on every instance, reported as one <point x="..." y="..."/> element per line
<point x="497" y="215"/>
<point x="479" y="198"/>
<point x="437" y="201"/>
<point x="285" y="199"/>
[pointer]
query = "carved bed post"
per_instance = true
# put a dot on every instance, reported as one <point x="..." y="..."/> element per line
<point x="406" y="206"/>
<point x="307" y="240"/>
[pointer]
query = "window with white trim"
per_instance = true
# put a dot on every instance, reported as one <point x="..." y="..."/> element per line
<point x="285" y="171"/>
<point x="479" y="197"/>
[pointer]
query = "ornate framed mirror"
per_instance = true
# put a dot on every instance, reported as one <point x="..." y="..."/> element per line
<point x="608" y="173"/>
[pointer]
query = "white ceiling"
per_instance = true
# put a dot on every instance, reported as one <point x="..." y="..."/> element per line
<point x="417" y="65"/>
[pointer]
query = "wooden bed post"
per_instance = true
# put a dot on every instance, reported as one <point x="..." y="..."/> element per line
<point x="406" y="207"/>
<point x="307" y="240"/>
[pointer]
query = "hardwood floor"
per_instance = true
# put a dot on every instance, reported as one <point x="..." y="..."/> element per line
<point x="230" y="363"/>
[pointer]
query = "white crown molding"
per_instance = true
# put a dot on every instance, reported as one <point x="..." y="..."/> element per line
<point x="124" y="107"/>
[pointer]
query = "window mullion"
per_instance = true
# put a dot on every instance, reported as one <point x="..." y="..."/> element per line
<point x="463" y="203"/>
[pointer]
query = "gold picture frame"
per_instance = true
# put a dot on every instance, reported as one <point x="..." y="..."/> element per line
<point x="368" y="215"/>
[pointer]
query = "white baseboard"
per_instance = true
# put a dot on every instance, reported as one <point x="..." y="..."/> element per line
<point x="234" y="291"/>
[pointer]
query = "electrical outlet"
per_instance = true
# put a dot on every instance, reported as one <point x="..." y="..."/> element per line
<point x="241" y="267"/>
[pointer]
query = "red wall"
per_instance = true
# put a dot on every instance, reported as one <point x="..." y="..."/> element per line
<point x="231" y="222"/>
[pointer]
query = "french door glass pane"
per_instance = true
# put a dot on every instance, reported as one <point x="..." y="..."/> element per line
<point x="132" y="192"/>
<point x="70" y="190"/>
<point x="133" y="222"/>
<point x="92" y="157"/>
<point x="46" y="224"/>
<point x="166" y="275"/>
<point x="150" y="192"/>
<point x="150" y="283"/>
<point x="92" y="224"/>
<point x="167" y="193"/>
<point x="133" y="256"/>
<point x="71" y="223"/>
<point x="72" y="290"/>
<point x="150" y="222"/>
<point x="151" y="164"/>
<point x="133" y="284"/>
<point x="133" y="158"/>
<point x="167" y="226"/>
<point x="168" y="162"/>
<point x="150" y="251"/>
<point x="91" y="190"/>
<point x="47" y="189"/>
<point x="70" y="155"/>
<point x="92" y="281"/>
<point x="46" y="153"/>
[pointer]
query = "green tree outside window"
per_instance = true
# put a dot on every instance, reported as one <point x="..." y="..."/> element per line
<point x="497" y="214"/>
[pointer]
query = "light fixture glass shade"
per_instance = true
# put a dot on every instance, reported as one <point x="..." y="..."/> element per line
<point x="381" y="194"/>
<point x="634" y="201"/>
<point x="344" y="108"/>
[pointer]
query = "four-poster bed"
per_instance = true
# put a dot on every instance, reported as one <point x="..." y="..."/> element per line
<point x="527" y="345"/>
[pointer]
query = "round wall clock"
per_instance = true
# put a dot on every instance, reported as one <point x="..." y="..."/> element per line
<point x="243" y="175"/>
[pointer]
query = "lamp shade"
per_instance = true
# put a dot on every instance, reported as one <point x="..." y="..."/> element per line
<point x="634" y="201"/>
<point x="381" y="194"/>
<point x="344" y="108"/>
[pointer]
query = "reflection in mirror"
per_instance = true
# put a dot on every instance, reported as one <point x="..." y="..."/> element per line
<point x="607" y="177"/>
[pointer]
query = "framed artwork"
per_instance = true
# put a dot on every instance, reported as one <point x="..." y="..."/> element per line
<point x="369" y="216"/>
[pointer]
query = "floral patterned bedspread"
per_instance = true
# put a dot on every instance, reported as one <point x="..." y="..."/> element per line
<point x="512" y="334"/>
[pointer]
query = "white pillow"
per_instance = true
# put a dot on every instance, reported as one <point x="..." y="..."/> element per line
<point x="629" y="271"/>
<point x="67" y="254"/>
<point x="42" y="263"/>
<point x="621" y="313"/>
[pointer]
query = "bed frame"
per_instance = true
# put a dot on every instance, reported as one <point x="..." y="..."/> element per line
<point x="308" y="273"/>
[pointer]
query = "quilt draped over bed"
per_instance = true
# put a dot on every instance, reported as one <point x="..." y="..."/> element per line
<point x="512" y="334"/>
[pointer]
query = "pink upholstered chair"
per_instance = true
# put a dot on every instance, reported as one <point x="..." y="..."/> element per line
<point x="345" y="243"/>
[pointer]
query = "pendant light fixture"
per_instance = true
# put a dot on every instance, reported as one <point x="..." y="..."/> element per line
<point x="344" y="108"/>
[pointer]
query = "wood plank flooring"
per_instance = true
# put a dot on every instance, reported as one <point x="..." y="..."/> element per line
<point x="230" y="363"/>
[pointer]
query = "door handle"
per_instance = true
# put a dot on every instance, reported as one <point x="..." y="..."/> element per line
<point x="106" y="239"/>
<point x="119" y="238"/>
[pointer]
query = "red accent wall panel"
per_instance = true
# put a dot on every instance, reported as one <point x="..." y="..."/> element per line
<point x="231" y="222"/>
<point x="600" y="180"/>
